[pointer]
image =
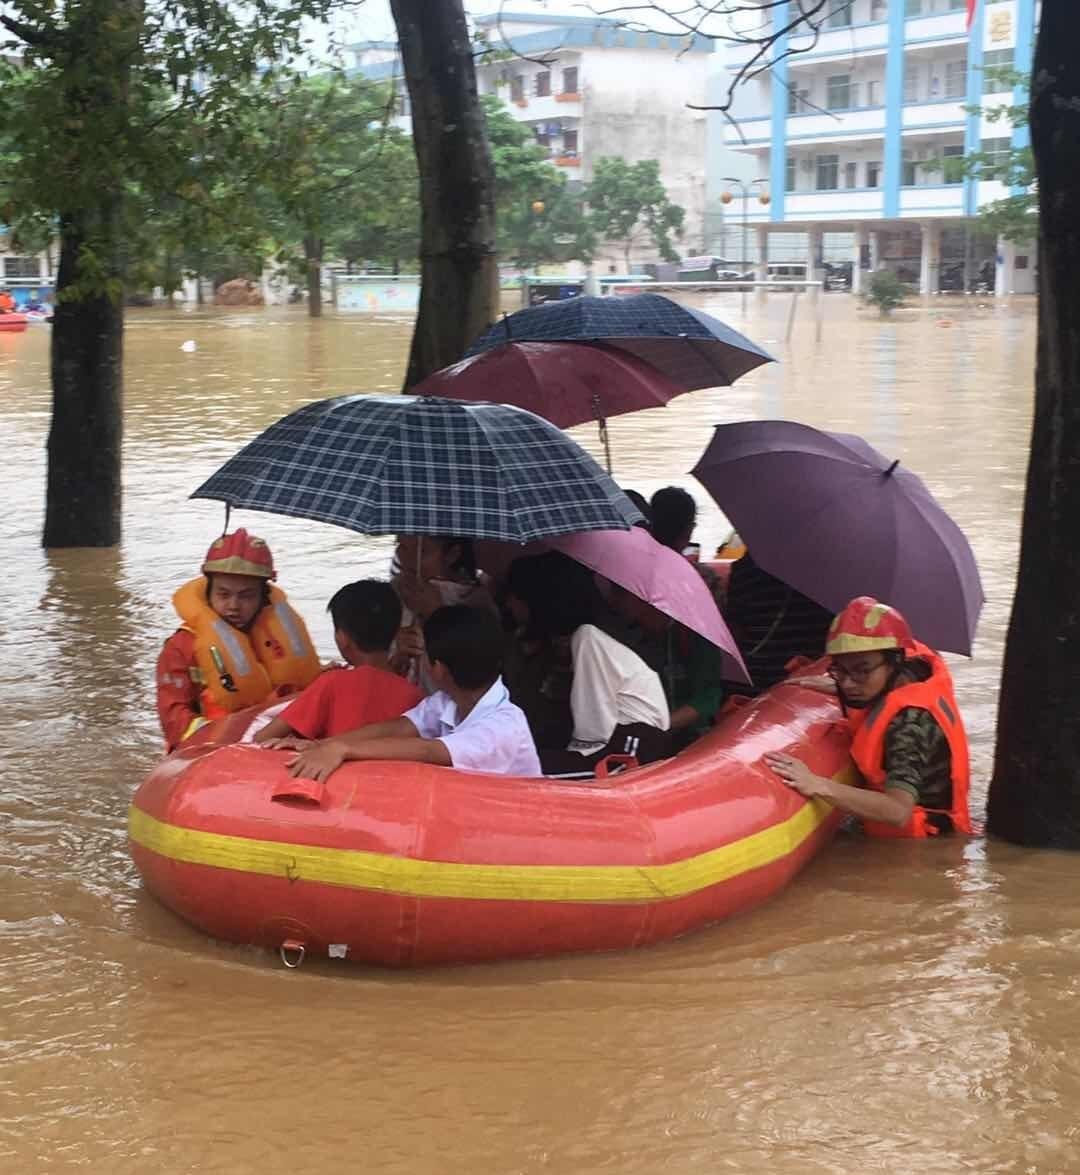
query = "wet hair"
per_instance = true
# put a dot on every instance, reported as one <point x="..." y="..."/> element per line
<point x="209" y="577"/>
<point x="368" y="612"/>
<point x="641" y="503"/>
<point x="561" y="594"/>
<point x="673" y="512"/>
<point x="468" y="641"/>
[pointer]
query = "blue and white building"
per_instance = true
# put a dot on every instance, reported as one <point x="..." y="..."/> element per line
<point x="852" y="135"/>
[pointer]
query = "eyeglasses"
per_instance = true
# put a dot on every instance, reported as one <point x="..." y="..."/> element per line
<point x="859" y="676"/>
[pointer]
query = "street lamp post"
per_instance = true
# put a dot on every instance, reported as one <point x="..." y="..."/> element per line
<point x="727" y="197"/>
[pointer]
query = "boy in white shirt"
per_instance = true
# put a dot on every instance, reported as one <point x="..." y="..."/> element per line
<point x="469" y="723"/>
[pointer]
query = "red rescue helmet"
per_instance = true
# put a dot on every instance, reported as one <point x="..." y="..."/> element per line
<point x="865" y="626"/>
<point x="239" y="553"/>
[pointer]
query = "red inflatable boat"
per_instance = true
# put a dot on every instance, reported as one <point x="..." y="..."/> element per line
<point x="409" y="864"/>
<point x="12" y="321"/>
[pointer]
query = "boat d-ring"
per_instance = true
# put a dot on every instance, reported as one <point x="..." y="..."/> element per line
<point x="292" y="953"/>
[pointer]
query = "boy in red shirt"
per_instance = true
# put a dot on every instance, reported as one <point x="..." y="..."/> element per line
<point x="367" y="616"/>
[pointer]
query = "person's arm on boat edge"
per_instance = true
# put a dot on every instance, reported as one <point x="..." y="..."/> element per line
<point x="891" y="806"/>
<point x="397" y="739"/>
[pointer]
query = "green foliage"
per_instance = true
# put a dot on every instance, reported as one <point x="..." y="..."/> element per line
<point x="344" y="179"/>
<point x="886" y="291"/>
<point x="121" y="123"/>
<point x="628" y="203"/>
<point x="1014" y="217"/>
<point x="537" y="218"/>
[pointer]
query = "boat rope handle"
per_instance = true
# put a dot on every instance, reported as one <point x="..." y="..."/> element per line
<point x="292" y="953"/>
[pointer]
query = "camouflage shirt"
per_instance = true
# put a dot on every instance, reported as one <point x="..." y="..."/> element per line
<point x="917" y="755"/>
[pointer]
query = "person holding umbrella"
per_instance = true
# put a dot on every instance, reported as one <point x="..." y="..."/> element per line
<point x="908" y="739"/>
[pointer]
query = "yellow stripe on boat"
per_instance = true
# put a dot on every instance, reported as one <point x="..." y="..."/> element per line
<point x="409" y="877"/>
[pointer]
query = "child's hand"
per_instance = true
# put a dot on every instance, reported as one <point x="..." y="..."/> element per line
<point x="318" y="761"/>
<point x="291" y="742"/>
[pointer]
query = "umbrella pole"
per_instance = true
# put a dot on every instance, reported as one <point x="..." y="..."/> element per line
<point x="601" y="424"/>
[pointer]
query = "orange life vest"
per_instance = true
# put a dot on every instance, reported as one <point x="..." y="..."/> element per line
<point x="868" y="745"/>
<point x="238" y="669"/>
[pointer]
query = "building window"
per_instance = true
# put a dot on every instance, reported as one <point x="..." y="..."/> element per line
<point x="952" y="165"/>
<point x="828" y="167"/>
<point x="517" y="88"/>
<point x="797" y="101"/>
<point x="913" y="7"/>
<point x="955" y="5"/>
<point x="789" y="174"/>
<point x="873" y="93"/>
<point x="911" y="83"/>
<point x="570" y="143"/>
<point x="907" y="170"/>
<point x="955" y="79"/>
<point x="995" y="59"/>
<point x="569" y="80"/>
<point x="996" y="152"/>
<point x="878" y="9"/>
<point x="873" y="174"/>
<point x="22" y="267"/>
<point x="850" y="170"/>
<point x="838" y="92"/>
<point x="840" y="16"/>
<point x="542" y="82"/>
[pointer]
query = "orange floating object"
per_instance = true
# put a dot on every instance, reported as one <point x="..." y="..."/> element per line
<point x="407" y="864"/>
<point x="12" y="321"/>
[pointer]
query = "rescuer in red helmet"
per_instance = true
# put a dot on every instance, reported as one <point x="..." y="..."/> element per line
<point x="239" y="643"/>
<point x="908" y="740"/>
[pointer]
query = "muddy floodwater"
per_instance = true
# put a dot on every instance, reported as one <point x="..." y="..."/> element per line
<point x="899" y="1008"/>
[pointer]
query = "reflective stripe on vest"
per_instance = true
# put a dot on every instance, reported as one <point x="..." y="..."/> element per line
<point x="288" y="620"/>
<point x="225" y="634"/>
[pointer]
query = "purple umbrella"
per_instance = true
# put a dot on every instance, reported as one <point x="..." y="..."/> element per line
<point x="832" y="517"/>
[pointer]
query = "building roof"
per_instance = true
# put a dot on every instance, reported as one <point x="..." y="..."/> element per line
<point x="495" y="18"/>
<point x="596" y="35"/>
<point x="565" y="32"/>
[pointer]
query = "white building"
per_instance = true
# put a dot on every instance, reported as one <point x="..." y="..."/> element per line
<point x="853" y="134"/>
<point x="589" y="89"/>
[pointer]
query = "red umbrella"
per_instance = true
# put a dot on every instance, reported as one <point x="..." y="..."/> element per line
<point x="566" y="383"/>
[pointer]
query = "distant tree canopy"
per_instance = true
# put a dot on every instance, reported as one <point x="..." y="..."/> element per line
<point x="537" y="218"/>
<point x="629" y="205"/>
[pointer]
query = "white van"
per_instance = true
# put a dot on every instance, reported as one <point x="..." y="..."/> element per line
<point x="791" y="270"/>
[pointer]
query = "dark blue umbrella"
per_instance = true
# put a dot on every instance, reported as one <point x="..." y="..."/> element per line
<point x="834" y="518"/>
<point x="394" y="464"/>
<point x="689" y="346"/>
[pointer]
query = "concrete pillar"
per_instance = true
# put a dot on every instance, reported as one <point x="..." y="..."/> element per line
<point x="1005" y="269"/>
<point x="858" y="274"/>
<point x="930" y="265"/>
<point x="761" y="263"/>
<point x="814" y="261"/>
<point x="875" y="251"/>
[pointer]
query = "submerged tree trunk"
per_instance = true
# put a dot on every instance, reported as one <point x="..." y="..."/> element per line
<point x="313" y="255"/>
<point x="1035" y="792"/>
<point x="84" y="487"/>
<point x="459" y="293"/>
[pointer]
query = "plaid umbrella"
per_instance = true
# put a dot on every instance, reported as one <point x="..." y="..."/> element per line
<point x="395" y="464"/>
<point x="690" y="347"/>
